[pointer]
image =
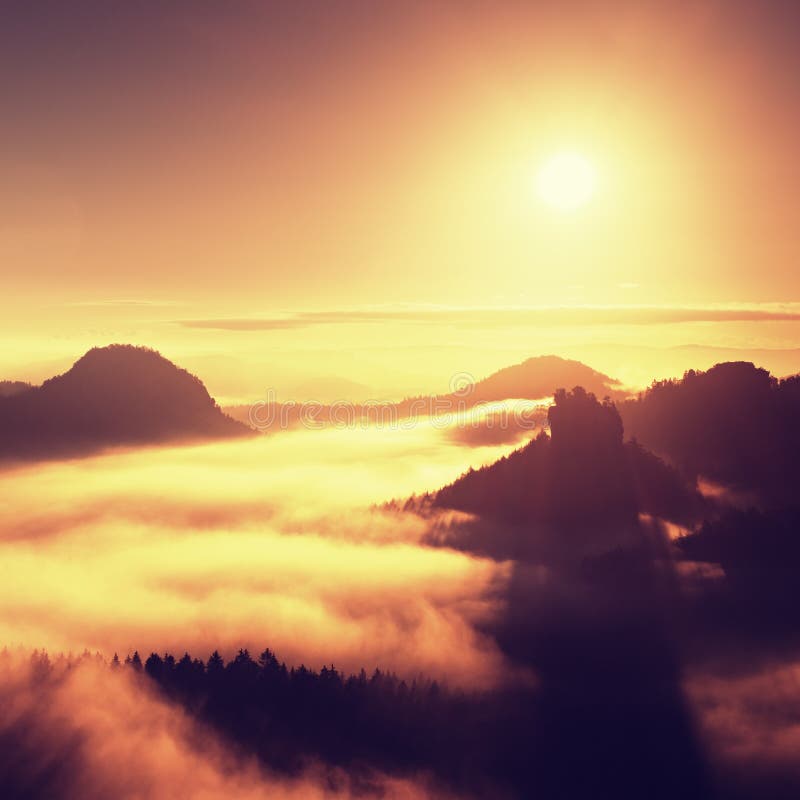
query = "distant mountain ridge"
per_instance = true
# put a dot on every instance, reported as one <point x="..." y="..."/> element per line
<point x="541" y="376"/>
<point x="533" y="379"/>
<point x="112" y="396"/>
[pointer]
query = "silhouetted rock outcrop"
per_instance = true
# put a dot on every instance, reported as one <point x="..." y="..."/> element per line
<point x="116" y="395"/>
<point x="580" y="480"/>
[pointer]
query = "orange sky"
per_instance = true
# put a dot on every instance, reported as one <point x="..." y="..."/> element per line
<point x="249" y="159"/>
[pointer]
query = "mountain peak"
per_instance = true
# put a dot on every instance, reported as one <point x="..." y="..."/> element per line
<point x="115" y="395"/>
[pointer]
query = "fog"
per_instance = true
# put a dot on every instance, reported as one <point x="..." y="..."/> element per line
<point x="87" y="731"/>
<point x="270" y="542"/>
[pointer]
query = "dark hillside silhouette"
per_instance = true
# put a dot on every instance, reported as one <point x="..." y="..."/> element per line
<point x="539" y="377"/>
<point x="734" y="424"/>
<point x="7" y="388"/>
<point x="116" y="395"/>
<point x="581" y="482"/>
<point x="476" y="743"/>
<point x="591" y="601"/>
<point x="608" y="621"/>
<point x="756" y="598"/>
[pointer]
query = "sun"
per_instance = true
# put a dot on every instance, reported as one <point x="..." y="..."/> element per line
<point x="566" y="181"/>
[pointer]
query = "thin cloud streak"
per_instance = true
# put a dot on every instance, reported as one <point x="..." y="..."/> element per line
<point x="492" y="317"/>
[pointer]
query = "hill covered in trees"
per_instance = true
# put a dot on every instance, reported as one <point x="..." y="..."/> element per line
<point x="734" y="424"/>
<point x="470" y="744"/>
<point x="112" y="396"/>
<point x="570" y="490"/>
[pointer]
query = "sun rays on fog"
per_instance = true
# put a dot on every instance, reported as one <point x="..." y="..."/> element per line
<point x="256" y="543"/>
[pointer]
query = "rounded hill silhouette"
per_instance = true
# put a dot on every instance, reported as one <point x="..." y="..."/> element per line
<point x="115" y="395"/>
<point x="734" y="424"/>
<point x="540" y="376"/>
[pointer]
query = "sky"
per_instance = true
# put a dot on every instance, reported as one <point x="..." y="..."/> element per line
<point x="251" y="160"/>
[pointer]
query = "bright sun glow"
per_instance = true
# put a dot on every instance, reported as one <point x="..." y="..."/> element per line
<point x="566" y="181"/>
